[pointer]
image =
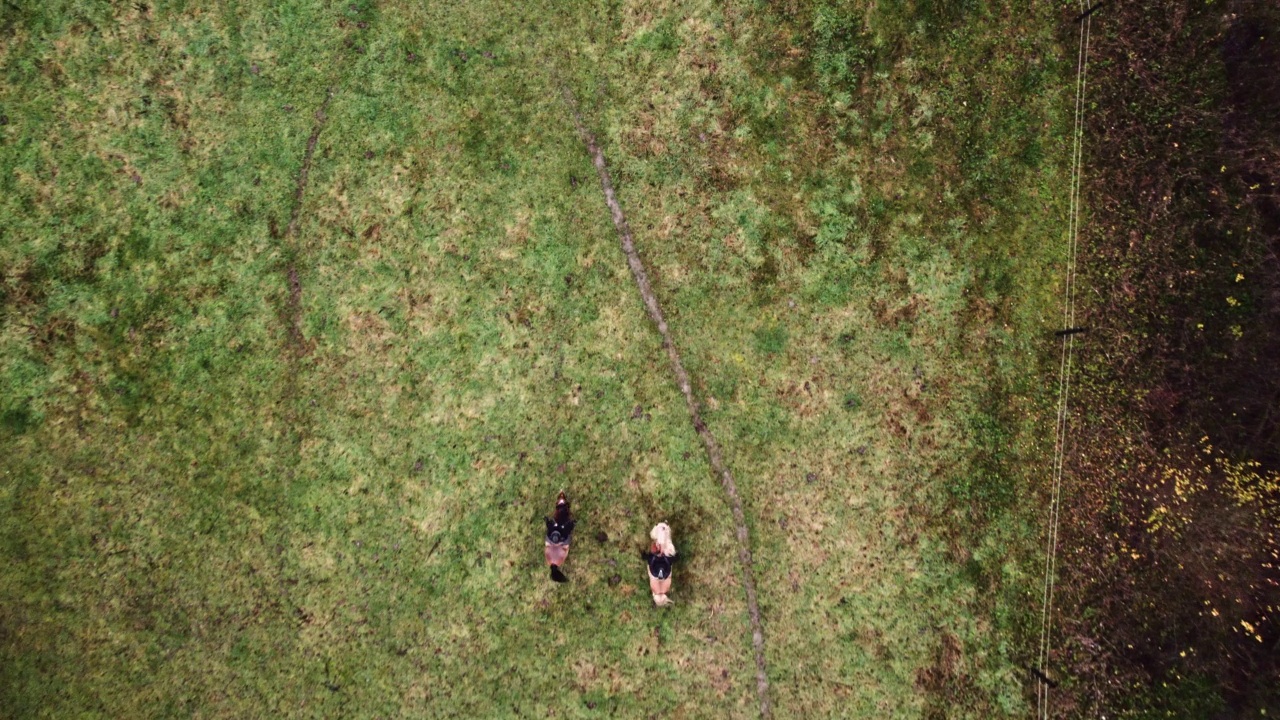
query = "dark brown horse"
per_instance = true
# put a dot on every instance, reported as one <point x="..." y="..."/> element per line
<point x="559" y="528"/>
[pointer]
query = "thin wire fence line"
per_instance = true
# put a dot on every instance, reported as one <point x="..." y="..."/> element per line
<point x="1062" y="363"/>
<point x="1064" y="374"/>
<point x="1065" y="364"/>
<point x="1041" y="661"/>
<point x="1070" y="347"/>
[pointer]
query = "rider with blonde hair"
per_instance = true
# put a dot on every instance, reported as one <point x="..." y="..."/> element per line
<point x="659" y="556"/>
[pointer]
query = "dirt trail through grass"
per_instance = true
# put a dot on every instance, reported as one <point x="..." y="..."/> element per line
<point x="293" y="306"/>
<point x="305" y="170"/>
<point x="682" y="379"/>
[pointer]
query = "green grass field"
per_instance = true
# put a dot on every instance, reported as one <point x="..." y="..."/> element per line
<point x="270" y="460"/>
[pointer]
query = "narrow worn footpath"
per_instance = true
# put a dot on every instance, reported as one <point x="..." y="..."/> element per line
<point x="682" y="379"/>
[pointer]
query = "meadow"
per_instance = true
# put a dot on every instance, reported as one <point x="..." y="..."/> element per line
<point x="310" y="308"/>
